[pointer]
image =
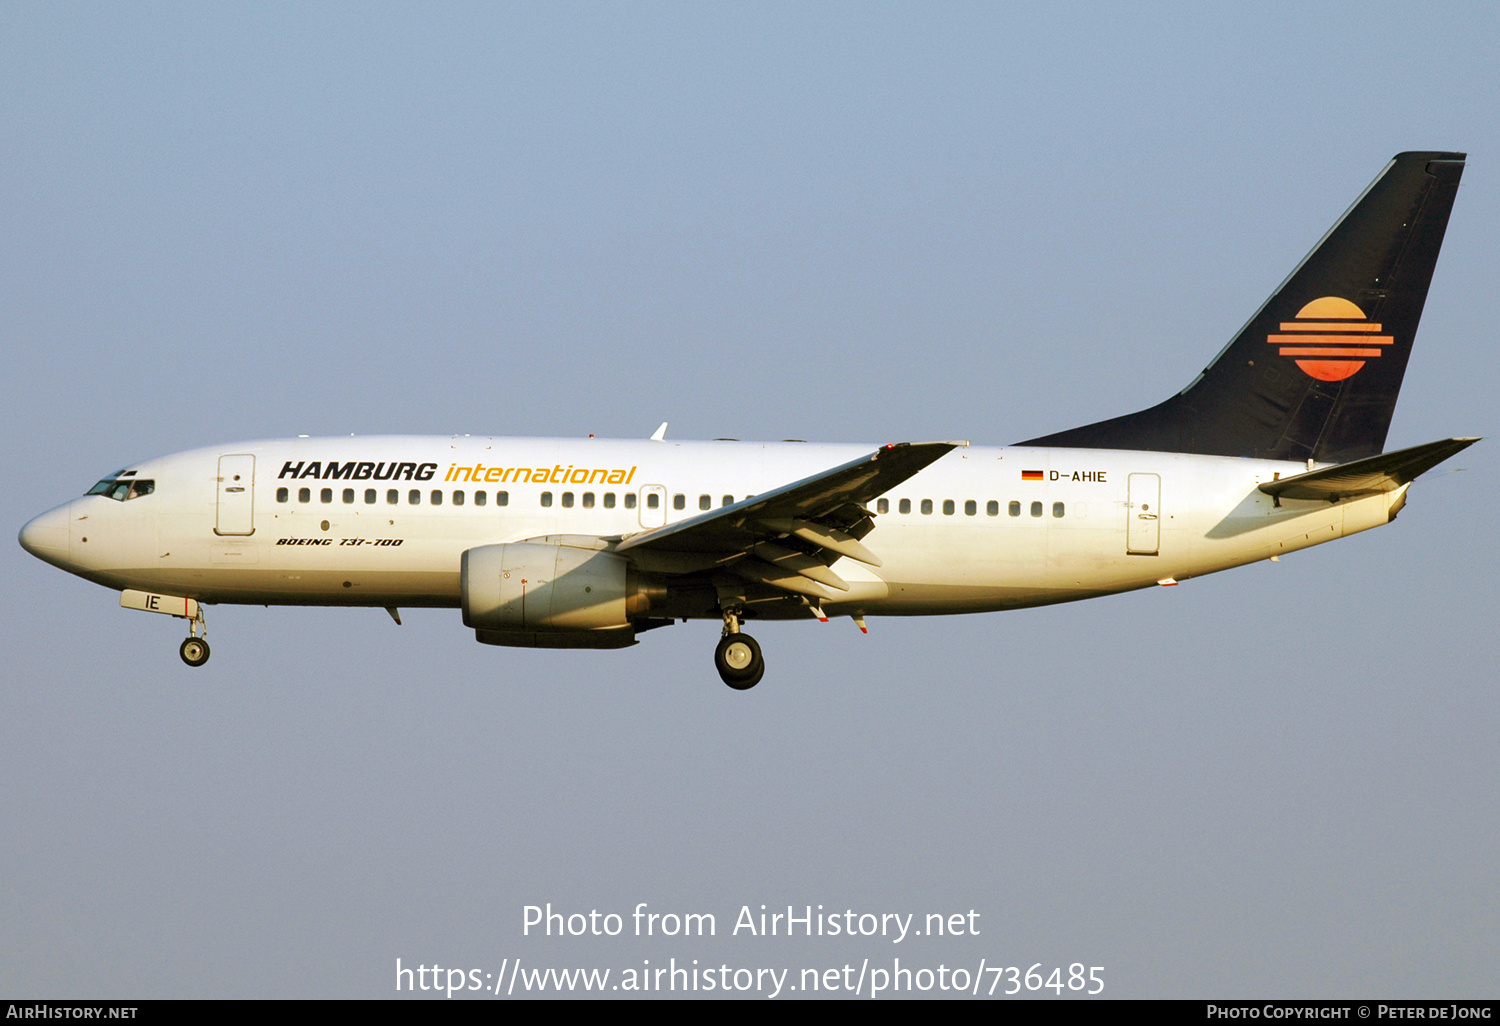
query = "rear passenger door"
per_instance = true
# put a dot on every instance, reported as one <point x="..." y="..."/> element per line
<point x="1143" y="530"/>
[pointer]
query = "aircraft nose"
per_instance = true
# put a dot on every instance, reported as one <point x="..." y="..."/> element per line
<point x="46" y="536"/>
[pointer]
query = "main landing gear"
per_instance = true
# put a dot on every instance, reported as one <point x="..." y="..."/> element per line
<point x="194" y="650"/>
<point x="738" y="658"/>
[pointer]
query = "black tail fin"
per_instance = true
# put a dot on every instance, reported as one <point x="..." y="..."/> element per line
<point x="1316" y="371"/>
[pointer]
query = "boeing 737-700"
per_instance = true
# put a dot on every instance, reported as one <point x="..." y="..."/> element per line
<point x="587" y="543"/>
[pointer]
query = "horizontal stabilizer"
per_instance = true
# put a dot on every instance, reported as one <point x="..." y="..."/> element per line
<point x="1369" y="476"/>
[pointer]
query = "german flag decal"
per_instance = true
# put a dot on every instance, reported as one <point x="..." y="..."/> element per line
<point x="1330" y="339"/>
<point x="1031" y="475"/>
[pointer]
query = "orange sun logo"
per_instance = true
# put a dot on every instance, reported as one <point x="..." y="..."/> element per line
<point x="1331" y="340"/>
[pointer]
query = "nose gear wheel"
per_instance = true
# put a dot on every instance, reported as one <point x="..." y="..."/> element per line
<point x="194" y="651"/>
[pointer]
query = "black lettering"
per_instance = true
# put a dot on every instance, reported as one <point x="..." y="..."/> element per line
<point x="381" y="474"/>
<point x="425" y="471"/>
<point x="313" y="469"/>
<point x="363" y="471"/>
<point x="336" y="470"/>
<point x="403" y="472"/>
<point x="290" y="469"/>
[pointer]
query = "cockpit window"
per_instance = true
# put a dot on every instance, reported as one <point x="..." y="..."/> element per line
<point x="123" y="489"/>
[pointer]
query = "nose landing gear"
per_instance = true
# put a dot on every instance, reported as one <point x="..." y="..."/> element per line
<point x="737" y="657"/>
<point x="194" y="650"/>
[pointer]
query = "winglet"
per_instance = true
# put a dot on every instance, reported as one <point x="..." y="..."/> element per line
<point x="660" y="434"/>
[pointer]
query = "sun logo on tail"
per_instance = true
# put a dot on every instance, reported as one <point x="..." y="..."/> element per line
<point x="1330" y="339"/>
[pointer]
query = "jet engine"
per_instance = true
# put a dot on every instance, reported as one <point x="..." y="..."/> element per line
<point x="542" y="595"/>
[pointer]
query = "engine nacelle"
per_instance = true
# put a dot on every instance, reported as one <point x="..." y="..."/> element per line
<point x="525" y="586"/>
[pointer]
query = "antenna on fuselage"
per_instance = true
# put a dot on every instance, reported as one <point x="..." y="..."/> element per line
<point x="660" y="434"/>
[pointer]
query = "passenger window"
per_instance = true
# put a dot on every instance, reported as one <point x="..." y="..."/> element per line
<point x="609" y="500"/>
<point x="947" y="507"/>
<point x="1015" y="509"/>
<point x="970" y="508"/>
<point x="1036" y="509"/>
<point x="304" y="495"/>
<point x="905" y="506"/>
<point x="480" y="498"/>
<point x="348" y="495"/>
<point x="588" y="500"/>
<point x="567" y="500"/>
<point x="369" y="496"/>
<point x="283" y="494"/>
<point x="679" y="501"/>
<point x="437" y="497"/>
<point x="1057" y="509"/>
<point x="882" y="505"/>
<point x="992" y="508"/>
<point x="326" y="495"/>
<point x="546" y="498"/>
<point x="393" y="496"/>
<point x="705" y="502"/>
<point x="458" y="498"/>
<point x="926" y="507"/>
<point x="414" y="497"/>
<point x="653" y="501"/>
<point x="502" y="498"/>
<point x="728" y="500"/>
<point x="630" y="500"/>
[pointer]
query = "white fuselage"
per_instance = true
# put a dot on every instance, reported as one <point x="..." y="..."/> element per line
<point x="973" y="532"/>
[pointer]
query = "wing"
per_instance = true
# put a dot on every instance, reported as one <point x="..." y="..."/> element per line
<point x="1369" y="476"/>
<point x="788" y="537"/>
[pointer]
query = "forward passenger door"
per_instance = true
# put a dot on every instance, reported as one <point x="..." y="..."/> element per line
<point x="236" y="507"/>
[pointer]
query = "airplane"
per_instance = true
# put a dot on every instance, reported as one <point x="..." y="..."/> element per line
<point x="1275" y="446"/>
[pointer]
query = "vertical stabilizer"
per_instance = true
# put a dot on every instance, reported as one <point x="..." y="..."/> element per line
<point x="1316" y="372"/>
